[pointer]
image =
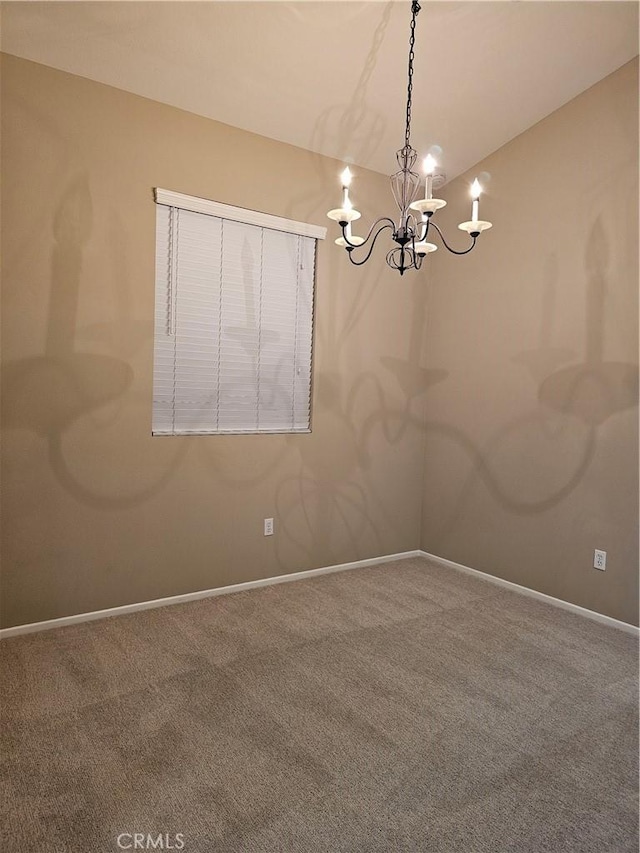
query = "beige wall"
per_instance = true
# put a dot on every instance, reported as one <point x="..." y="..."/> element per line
<point x="97" y="513"/>
<point x="524" y="354"/>
<point x="532" y="439"/>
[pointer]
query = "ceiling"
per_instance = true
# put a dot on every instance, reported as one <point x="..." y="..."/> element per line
<point x="330" y="76"/>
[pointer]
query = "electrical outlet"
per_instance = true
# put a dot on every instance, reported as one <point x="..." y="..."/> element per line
<point x="268" y="527"/>
<point x="600" y="560"/>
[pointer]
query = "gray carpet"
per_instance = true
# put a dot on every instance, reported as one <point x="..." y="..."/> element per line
<point x="405" y="707"/>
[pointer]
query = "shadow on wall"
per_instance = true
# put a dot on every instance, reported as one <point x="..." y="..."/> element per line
<point x="593" y="390"/>
<point x="529" y="465"/>
<point x="575" y="402"/>
<point x="322" y="499"/>
<point x="324" y="496"/>
<point x="334" y="500"/>
<point x="49" y="393"/>
<point x="355" y="129"/>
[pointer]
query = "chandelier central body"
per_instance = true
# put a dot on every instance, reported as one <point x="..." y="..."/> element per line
<point x="414" y="221"/>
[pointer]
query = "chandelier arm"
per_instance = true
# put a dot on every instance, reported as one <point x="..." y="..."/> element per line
<point x="417" y="259"/>
<point x="426" y="222"/>
<point x="373" y="242"/>
<point x="417" y="226"/>
<point x="413" y="222"/>
<point x="474" y="237"/>
<point x="392" y="224"/>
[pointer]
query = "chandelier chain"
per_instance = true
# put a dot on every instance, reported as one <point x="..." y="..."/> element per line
<point x="415" y="8"/>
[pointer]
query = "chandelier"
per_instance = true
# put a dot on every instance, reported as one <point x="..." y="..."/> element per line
<point x="415" y="219"/>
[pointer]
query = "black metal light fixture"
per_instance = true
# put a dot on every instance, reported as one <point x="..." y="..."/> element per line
<point x="415" y="221"/>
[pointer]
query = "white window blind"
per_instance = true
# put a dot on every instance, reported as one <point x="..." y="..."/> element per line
<point x="233" y="322"/>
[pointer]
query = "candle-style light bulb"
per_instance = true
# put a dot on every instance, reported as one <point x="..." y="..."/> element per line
<point x="476" y="189"/>
<point x="346" y="212"/>
<point x="347" y="206"/>
<point x="345" y="177"/>
<point x="429" y="165"/>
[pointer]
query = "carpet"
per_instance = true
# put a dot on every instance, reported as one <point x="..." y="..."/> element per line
<point x="401" y="707"/>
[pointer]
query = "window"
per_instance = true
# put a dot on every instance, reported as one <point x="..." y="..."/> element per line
<point x="233" y="321"/>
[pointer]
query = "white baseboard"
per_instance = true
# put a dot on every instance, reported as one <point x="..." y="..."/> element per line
<point x="32" y="627"/>
<point x="541" y="596"/>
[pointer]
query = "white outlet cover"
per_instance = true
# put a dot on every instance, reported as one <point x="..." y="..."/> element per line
<point x="600" y="560"/>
